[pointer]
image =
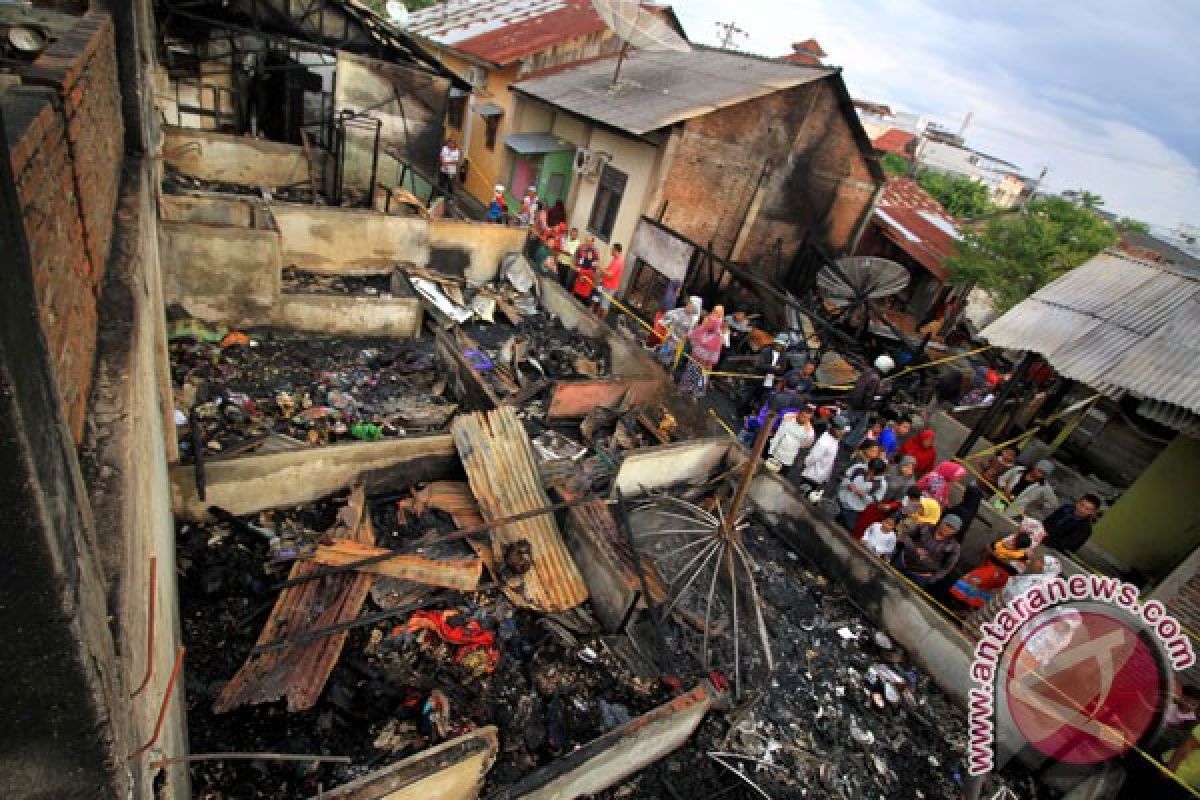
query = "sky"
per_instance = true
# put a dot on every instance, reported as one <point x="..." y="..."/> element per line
<point x="1105" y="94"/>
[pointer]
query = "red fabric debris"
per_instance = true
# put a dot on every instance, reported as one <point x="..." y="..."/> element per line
<point x="468" y="637"/>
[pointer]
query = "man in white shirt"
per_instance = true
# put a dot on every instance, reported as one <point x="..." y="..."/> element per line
<point x="448" y="169"/>
<point x="818" y="466"/>
<point x="880" y="537"/>
<point x="795" y="433"/>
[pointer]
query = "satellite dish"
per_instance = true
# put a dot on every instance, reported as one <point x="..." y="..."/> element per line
<point x="637" y="27"/>
<point x="28" y="41"/>
<point x="397" y="13"/>
<point x="851" y="283"/>
<point x="856" y="279"/>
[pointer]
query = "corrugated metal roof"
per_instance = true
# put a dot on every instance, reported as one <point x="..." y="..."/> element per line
<point x="504" y="31"/>
<point x="1116" y="324"/>
<point x="533" y="143"/>
<point x="660" y="89"/>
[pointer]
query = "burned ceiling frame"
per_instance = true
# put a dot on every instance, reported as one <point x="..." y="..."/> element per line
<point x="304" y="23"/>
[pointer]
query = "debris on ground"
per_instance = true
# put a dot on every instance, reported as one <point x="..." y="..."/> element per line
<point x="314" y="390"/>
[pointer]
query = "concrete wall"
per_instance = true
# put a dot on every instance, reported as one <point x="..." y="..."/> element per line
<point x="235" y="159"/>
<point x="255" y="483"/>
<point x="453" y="770"/>
<point x="616" y="755"/>
<point x="453" y="244"/>
<point x="219" y="273"/>
<point x="214" y="209"/>
<point x="349" y="241"/>
<point x="398" y="317"/>
<point x="126" y="469"/>
<point x="1152" y="528"/>
<point x="639" y="161"/>
<point x="409" y="103"/>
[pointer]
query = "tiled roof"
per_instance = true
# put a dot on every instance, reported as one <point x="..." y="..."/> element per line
<point x="807" y="52"/>
<point x="895" y="141"/>
<point x="504" y="31"/>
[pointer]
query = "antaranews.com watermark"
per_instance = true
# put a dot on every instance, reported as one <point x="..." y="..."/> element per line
<point x="1101" y="721"/>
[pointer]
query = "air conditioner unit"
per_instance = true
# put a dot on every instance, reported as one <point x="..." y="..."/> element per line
<point x="583" y="160"/>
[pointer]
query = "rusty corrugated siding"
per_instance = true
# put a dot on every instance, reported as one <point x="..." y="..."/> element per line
<point x="504" y="478"/>
<point x="1119" y="325"/>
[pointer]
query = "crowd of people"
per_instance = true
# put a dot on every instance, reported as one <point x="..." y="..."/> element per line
<point x="878" y="471"/>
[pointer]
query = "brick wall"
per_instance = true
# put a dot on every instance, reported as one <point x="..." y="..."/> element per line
<point x="818" y="181"/>
<point x="66" y="142"/>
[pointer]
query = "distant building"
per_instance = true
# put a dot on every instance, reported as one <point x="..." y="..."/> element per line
<point x="879" y="118"/>
<point x="492" y="44"/>
<point x="1005" y="184"/>
<point x="807" y="52"/>
<point x="897" y="142"/>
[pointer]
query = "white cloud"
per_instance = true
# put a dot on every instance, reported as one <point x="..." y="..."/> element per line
<point x="1099" y="94"/>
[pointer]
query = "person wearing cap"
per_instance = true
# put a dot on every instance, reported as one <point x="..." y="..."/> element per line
<point x="1069" y="528"/>
<point x="1028" y="491"/>
<point x="497" y="212"/>
<point x="818" y="465"/>
<point x="929" y="553"/>
<point x="862" y="485"/>
<point x="795" y="433"/>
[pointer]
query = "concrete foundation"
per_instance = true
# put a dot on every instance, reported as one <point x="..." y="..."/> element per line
<point x="213" y="156"/>
<point x="255" y="483"/>
<point x="606" y="761"/>
<point x="340" y="241"/>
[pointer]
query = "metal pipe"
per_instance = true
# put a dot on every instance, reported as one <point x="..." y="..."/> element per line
<point x="760" y="444"/>
<point x="150" y="611"/>
<point x="166" y="701"/>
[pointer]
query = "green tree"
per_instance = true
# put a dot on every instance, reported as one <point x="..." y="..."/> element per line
<point x="894" y="164"/>
<point x="1014" y="255"/>
<point x="1132" y="225"/>
<point x="962" y="197"/>
<point x="1089" y="200"/>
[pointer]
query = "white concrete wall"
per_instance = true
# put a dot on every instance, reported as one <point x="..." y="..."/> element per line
<point x="639" y="161"/>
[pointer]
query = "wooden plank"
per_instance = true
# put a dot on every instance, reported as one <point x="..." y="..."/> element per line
<point x="460" y="573"/>
<point x="299" y="673"/>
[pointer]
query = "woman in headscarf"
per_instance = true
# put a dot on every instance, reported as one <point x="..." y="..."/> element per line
<point x="937" y="484"/>
<point x="707" y="340"/>
<point x="921" y="448"/>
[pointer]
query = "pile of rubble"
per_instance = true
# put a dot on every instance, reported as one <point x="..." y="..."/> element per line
<point x="247" y="387"/>
<point x="299" y="281"/>
<point x="176" y="182"/>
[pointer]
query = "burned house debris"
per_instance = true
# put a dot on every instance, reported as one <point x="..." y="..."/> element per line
<point x="318" y="491"/>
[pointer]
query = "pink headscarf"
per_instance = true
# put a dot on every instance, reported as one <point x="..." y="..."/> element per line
<point x="937" y="483"/>
<point x="707" y="340"/>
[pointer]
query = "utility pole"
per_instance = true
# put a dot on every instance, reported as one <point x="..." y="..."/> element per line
<point x="728" y="31"/>
<point x="1036" y="185"/>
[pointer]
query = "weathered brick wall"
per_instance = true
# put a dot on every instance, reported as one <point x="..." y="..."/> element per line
<point x="817" y="182"/>
<point x="66" y="140"/>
